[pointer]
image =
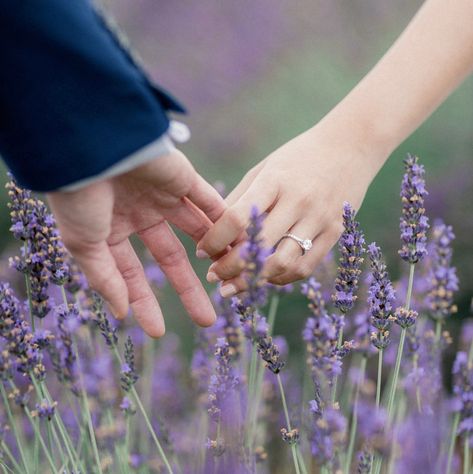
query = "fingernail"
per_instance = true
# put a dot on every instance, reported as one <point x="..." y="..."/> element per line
<point x="202" y="254"/>
<point x="115" y="313"/>
<point x="212" y="277"/>
<point x="228" y="290"/>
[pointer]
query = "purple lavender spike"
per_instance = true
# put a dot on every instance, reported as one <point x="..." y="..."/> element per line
<point x="414" y="223"/>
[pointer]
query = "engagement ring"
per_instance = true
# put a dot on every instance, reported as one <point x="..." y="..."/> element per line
<point x="304" y="244"/>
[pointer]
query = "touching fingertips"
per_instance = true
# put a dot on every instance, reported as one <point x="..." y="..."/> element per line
<point x="201" y="254"/>
<point x="212" y="277"/>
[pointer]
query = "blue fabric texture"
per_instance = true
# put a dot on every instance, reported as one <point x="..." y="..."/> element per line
<point x="72" y="100"/>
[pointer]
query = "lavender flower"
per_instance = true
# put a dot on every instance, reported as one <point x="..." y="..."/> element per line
<point x="414" y="223"/>
<point x="127" y="407"/>
<point x="254" y="324"/>
<point x="405" y="317"/>
<point x="254" y="256"/>
<point x="222" y="381"/>
<point x="62" y="354"/>
<point x="372" y="428"/>
<point x="426" y="376"/>
<point x="45" y="410"/>
<point x="108" y="332"/>
<point x="442" y="277"/>
<point x="328" y="433"/>
<point x="351" y="246"/>
<point x="269" y="353"/>
<point x="167" y="381"/>
<point x="364" y="462"/>
<point x="321" y="335"/>
<point x="201" y="365"/>
<point x="5" y="365"/>
<point x="43" y="257"/>
<point x="76" y="281"/>
<point x="290" y="437"/>
<point x="17" y="334"/>
<point x="230" y="325"/>
<point x="463" y="390"/>
<point x="380" y="298"/>
<point x="420" y="439"/>
<point x="128" y="375"/>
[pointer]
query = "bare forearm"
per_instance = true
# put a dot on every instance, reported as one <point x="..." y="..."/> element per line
<point x="428" y="61"/>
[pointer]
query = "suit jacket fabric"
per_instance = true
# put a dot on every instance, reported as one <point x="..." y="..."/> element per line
<point x="72" y="101"/>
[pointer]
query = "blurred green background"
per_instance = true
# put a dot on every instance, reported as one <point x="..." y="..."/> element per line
<point x="255" y="74"/>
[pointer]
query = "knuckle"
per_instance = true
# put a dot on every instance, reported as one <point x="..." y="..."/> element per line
<point x="73" y="245"/>
<point x="280" y="263"/>
<point x="302" y="272"/>
<point x="279" y="280"/>
<point x="305" y="201"/>
<point x="132" y="273"/>
<point x="174" y="257"/>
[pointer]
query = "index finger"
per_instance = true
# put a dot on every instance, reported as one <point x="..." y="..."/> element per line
<point x="235" y="220"/>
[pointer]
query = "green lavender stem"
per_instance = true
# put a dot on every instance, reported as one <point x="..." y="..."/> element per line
<point x="397" y="367"/>
<point x="14" y="427"/>
<point x="145" y="416"/>
<point x="294" y="448"/>
<point x="85" y="401"/>
<point x="466" y="455"/>
<point x="259" y="377"/>
<point x="354" y="423"/>
<point x="438" y="330"/>
<point x="379" y="379"/>
<point x="401" y="344"/>
<point x="453" y="437"/>
<point x="43" y="392"/>
<point x="12" y="459"/>
<point x="335" y="381"/>
<point x="39" y="436"/>
<point x="378" y="392"/>
<point x="273" y="309"/>
<point x="148" y="358"/>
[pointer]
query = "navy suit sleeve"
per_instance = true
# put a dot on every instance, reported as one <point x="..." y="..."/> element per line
<point x="72" y="101"/>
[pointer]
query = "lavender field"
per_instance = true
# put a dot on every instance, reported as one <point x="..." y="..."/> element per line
<point x="83" y="394"/>
<point x="365" y="367"/>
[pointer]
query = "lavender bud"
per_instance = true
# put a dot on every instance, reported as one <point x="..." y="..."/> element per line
<point x="128" y="375"/>
<point x="463" y="390"/>
<point x="290" y="437"/>
<point x="442" y="278"/>
<point x="45" y="410"/>
<point x="405" y="317"/>
<point x="108" y="332"/>
<point x="381" y="297"/>
<point x="414" y="223"/>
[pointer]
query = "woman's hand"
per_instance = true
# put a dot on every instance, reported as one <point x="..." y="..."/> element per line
<point x="301" y="187"/>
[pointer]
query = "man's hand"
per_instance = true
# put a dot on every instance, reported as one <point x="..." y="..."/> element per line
<point x="96" y="222"/>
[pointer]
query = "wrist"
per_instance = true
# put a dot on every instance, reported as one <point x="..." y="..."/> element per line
<point x="358" y="145"/>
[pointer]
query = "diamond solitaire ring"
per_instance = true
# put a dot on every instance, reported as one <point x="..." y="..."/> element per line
<point x="304" y="244"/>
